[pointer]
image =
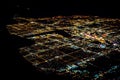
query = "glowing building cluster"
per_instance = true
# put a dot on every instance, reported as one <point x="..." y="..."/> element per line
<point x="71" y="45"/>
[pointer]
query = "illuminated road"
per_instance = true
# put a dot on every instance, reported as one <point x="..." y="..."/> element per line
<point x="75" y="46"/>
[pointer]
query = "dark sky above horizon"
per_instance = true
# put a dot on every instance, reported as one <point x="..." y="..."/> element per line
<point x="58" y="7"/>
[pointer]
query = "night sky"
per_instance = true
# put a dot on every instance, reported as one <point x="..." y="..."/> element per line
<point x="60" y="7"/>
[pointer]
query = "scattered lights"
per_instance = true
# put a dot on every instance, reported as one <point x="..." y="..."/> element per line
<point x="76" y="54"/>
<point x="69" y="67"/>
<point x="102" y="46"/>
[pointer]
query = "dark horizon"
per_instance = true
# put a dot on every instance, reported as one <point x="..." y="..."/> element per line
<point x="46" y="8"/>
<point x="52" y="8"/>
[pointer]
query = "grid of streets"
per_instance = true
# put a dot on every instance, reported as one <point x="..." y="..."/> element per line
<point x="71" y="45"/>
